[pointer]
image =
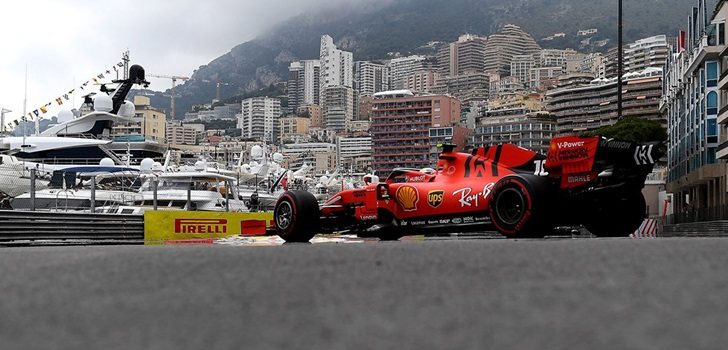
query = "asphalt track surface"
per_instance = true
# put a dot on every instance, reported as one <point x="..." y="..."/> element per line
<point x="414" y="294"/>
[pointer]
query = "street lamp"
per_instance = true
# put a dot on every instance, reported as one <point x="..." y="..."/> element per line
<point x="619" y="65"/>
<point x="2" y="117"/>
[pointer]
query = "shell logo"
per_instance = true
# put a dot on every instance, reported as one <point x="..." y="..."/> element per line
<point x="407" y="197"/>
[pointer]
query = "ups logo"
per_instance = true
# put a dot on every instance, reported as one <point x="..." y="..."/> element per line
<point x="434" y="198"/>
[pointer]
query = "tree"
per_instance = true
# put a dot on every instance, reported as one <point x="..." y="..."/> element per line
<point x="633" y="129"/>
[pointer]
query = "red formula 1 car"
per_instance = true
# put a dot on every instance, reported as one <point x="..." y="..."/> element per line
<point x="590" y="181"/>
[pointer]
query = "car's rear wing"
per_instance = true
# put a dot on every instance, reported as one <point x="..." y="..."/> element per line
<point x="579" y="161"/>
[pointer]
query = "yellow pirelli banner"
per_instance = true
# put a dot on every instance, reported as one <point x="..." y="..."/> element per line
<point x="162" y="227"/>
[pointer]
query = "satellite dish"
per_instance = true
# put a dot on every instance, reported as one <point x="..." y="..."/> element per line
<point x="256" y="152"/>
<point x="127" y="109"/>
<point x="106" y="162"/>
<point x="146" y="165"/>
<point x="277" y="157"/>
<point x="64" y="116"/>
<point x="103" y="103"/>
<point x="200" y="165"/>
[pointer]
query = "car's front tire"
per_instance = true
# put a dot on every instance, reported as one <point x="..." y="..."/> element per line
<point x="296" y="216"/>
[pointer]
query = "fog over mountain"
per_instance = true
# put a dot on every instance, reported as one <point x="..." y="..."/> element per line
<point x="376" y="29"/>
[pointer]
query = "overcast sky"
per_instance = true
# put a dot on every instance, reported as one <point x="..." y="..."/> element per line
<point x="67" y="41"/>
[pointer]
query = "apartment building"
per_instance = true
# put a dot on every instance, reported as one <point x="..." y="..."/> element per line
<point x="401" y="67"/>
<point x="259" y="118"/>
<point x="370" y="78"/>
<point x="589" y="107"/>
<point x="401" y="124"/>
<point x="503" y="46"/>
<point x="303" y="84"/>
<point x="695" y="105"/>
<point x="465" y="55"/>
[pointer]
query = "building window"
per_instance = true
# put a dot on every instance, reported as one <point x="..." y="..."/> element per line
<point x="712" y="103"/>
<point x="712" y="74"/>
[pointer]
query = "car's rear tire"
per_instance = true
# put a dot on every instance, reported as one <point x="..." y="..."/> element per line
<point x="618" y="217"/>
<point x="518" y="206"/>
<point x="296" y="216"/>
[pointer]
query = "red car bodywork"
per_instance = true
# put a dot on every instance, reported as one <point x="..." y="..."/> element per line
<point x="577" y="172"/>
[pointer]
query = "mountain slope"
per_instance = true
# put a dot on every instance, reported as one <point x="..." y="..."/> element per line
<point x="404" y="26"/>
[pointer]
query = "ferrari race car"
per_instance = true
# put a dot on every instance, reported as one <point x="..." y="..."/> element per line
<point x="590" y="181"/>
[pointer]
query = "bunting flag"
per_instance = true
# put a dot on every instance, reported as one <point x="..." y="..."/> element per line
<point x="59" y="100"/>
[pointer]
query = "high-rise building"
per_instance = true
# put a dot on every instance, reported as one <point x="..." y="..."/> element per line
<point x="337" y="66"/>
<point x="501" y="47"/>
<point x="338" y="108"/>
<point x="370" y="78"/>
<point x="466" y="88"/>
<point x="695" y="104"/>
<point x="259" y="118"/>
<point x="521" y="66"/>
<point x="421" y="81"/>
<point x="463" y="56"/>
<point x="646" y="53"/>
<point x="400" y="68"/>
<point x="303" y="84"/>
<point x="401" y="129"/>
<point x="589" y="107"/>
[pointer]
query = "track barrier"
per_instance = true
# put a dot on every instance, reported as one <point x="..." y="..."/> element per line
<point x="179" y="227"/>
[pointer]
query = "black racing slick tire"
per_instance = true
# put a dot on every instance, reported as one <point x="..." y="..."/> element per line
<point x="518" y="206"/>
<point x="296" y="216"/>
<point x="618" y="217"/>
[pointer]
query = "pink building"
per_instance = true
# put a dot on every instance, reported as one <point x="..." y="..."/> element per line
<point x="406" y="129"/>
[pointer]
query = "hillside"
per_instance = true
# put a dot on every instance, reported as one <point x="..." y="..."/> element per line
<point x="405" y="26"/>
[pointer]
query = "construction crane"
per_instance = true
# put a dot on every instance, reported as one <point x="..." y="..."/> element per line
<point x="217" y="87"/>
<point x="174" y="84"/>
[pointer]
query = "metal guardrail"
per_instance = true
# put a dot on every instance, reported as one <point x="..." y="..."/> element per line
<point x="67" y="226"/>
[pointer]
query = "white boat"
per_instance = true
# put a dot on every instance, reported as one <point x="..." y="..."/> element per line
<point x="72" y="142"/>
<point x="70" y="190"/>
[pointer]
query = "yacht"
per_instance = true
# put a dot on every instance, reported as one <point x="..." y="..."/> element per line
<point x="112" y="189"/>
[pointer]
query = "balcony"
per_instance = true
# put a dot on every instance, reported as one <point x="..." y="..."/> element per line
<point x="723" y="115"/>
<point x="723" y="83"/>
<point x="722" y="152"/>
